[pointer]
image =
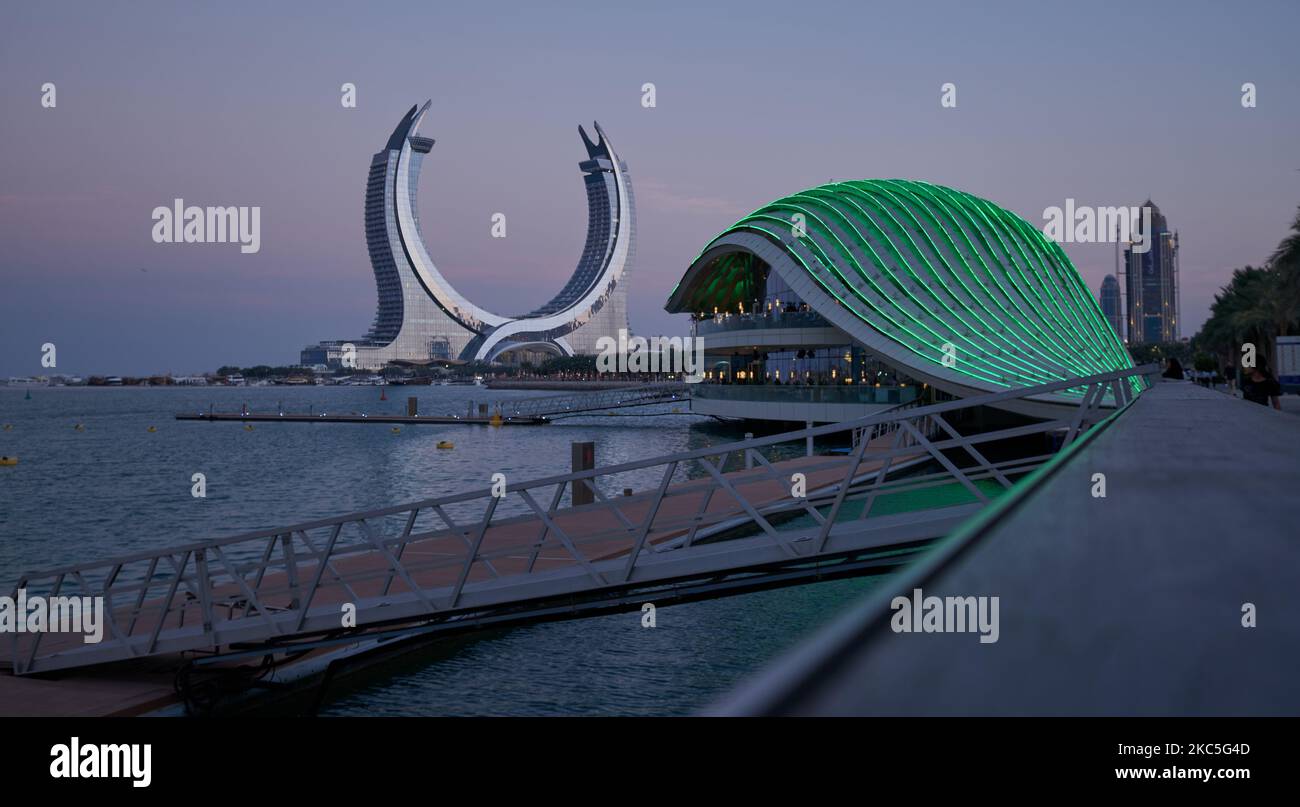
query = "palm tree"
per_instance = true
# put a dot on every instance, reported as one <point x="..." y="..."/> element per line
<point x="1236" y="315"/>
<point x="1285" y="262"/>
<point x="1256" y="305"/>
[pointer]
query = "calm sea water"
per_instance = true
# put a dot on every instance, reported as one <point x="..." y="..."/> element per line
<point x="115" y="487"/>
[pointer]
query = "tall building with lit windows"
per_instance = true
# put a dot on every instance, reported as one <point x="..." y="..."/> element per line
<point x="1110" y="304"/>
<point x="1151" y="282"/>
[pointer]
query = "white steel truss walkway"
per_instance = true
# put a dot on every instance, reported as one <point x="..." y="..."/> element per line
<point x="556" y="406"/>
<point x="713" y="517"/>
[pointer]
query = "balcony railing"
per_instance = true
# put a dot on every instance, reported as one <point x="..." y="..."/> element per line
<point x="752" y="322"/>
<point x="793" y="393"/>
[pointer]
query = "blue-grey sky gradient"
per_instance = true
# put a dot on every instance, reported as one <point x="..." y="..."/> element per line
<point x="237" y="103"/>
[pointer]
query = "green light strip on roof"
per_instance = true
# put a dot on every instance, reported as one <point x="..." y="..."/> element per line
<point x="922" y="265"/>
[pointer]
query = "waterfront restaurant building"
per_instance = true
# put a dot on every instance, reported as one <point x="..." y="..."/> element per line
<point x="856" y="297"/>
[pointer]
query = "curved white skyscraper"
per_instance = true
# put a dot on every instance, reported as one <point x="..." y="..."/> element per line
<point x="421" y="316"/>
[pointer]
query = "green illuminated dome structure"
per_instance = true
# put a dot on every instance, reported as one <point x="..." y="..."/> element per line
<point x="915" y="272"/>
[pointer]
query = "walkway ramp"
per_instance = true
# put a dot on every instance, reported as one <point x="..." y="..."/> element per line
<point x="719" y="518"/>
<point x="574" y="403"/>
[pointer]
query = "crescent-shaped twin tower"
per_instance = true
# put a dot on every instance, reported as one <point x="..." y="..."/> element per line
<point x="421" y="316"/>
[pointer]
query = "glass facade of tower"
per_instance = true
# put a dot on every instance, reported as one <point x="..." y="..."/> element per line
<point x="1151" y="283"/>
<point x="388" y="282"/>
<point x="1110" y="304"/>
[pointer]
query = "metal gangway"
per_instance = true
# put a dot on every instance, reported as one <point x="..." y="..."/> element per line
<point x="574" y="403"/>
<point x="690" y="525"/>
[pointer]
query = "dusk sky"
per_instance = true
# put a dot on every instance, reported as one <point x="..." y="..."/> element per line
<point x="239" y="104"/>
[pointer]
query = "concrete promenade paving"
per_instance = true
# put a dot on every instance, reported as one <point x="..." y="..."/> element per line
<point x="1130" y="604"/>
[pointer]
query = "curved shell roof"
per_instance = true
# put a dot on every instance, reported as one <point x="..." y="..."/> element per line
<point x="939" y="282"/>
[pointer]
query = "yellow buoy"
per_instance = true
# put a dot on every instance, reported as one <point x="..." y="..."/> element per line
<point x="496" y="420"/>
<point x="397" y="430"/>
<point x="152" y="429"/>
<point x="446" y="444"/>
<point x="8" y="460"/>
<point x="248" y="427"/>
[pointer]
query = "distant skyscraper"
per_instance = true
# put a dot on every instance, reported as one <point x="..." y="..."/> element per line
<point x="1109" y="299"/>
<point x="1151" y="284"/>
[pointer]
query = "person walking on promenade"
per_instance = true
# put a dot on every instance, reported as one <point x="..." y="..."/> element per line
<point x="1259" y="386"/>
